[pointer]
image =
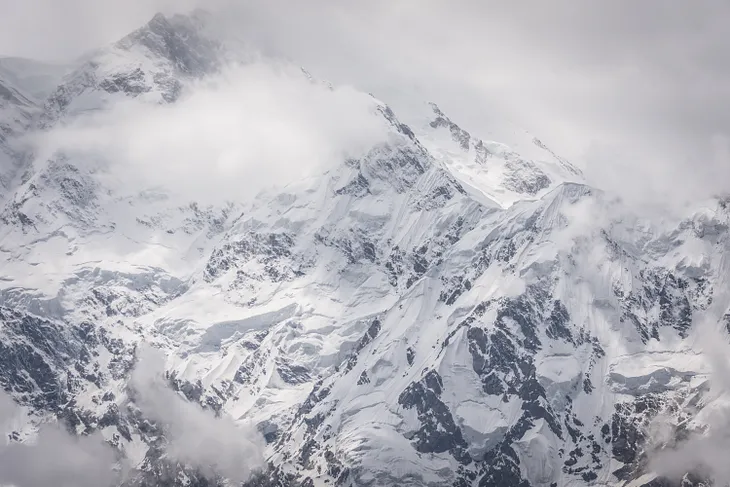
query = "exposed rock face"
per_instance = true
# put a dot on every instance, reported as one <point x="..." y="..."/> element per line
<point x="432" y="313"/>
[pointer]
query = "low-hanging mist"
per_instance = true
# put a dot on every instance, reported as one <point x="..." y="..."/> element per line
<point x="53" y="456"/>
<point x="196" y="437"/>
<point x="230" y="135"/>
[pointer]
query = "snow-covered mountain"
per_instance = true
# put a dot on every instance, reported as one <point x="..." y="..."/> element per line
<point x="151" y="62"/>
<point x="447" y="309"/>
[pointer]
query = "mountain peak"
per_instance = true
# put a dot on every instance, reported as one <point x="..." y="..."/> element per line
<point x="505" y="164"/>
<point x="152" y="62"/>
<point x="180" y="39"/>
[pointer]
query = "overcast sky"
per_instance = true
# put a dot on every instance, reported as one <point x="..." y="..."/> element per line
<point x="637" y="87"/>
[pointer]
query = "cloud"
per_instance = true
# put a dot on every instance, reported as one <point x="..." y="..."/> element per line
<point x="230" y="135"/>
<point x="656" y="186"/>
<point x="54" y="457"/>
<point x="8" y="410"/>
<point x="705" y="449"/>
<point x="196" y="437"/>
<point x="646" y="81"/>
<point x="73" y="27"/>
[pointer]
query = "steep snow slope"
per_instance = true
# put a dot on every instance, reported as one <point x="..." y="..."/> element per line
<point x="515" y="375"/>
<point x="509" y="165"/>
<point x="445" y="310"/>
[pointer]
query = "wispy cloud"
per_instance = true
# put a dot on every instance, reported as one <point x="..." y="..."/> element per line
<point x="196" y="437"/>
<point x="633" y="92"/>
<point x="55" y="457"/>
<point x="215" y="446"/>
<point x="705" y="449"/>
<point x="230" y="135"/>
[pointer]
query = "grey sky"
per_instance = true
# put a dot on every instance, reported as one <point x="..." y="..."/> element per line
<point x="650" y="80"/>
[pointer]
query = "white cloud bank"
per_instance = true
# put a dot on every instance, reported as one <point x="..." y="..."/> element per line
<point x="215" y="446"/>
<point x="196" y="437"/>
<point x="705" y="450"/>
<point x="54" y="457"/>
<point x="229" y="135"/>
<point x="649" y="80"/>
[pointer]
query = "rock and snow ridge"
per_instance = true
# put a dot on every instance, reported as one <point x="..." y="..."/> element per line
<point x="445" y="310"/>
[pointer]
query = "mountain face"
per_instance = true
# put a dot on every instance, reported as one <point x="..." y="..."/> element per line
<point x="151" y="62"/>
<point x="16" y="113"/>
<point x="445" y="310"/>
